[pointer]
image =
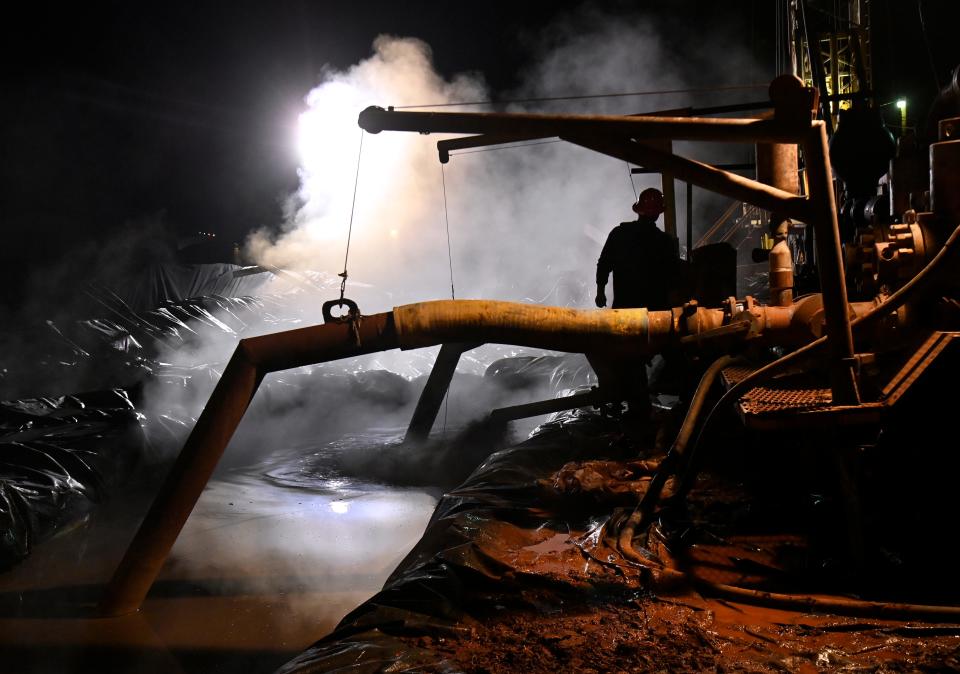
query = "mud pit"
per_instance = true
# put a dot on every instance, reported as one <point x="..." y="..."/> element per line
<point x="554" y="631"/>
<point x="517" y="573"/>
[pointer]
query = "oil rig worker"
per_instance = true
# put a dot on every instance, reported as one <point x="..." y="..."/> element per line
<point x="645" y="264"/>
<point x="643" y="258"/>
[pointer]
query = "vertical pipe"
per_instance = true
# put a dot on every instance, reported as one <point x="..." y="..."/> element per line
<point x="834" y="74"/>
<point x="777" y="166"/>
<point x="182" y="487"/>
<point x="689" y="240"/>
<point x="843" y="381"/>
<point x="669" y="198"/>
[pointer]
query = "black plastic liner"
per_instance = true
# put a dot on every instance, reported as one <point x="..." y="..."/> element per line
<point x="61" y="454"/>
<point x="59" y="457"/>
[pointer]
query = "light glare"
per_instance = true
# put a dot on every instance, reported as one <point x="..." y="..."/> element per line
<point x="339" y="507"/>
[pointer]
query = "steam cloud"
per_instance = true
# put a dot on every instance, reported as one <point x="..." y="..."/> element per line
<point x="526" y="224"/>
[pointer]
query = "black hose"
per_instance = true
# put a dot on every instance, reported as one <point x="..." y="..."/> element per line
<point x="674" y="457"/>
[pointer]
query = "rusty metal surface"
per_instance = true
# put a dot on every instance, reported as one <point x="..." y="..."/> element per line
<point x="375" y="120"/>
<point x="796" y="401"/>
<point x="799" y="400"/>
<point x="252" y="360"/>
<point x="624" y="331"/>
<point x="794" y="393"/>
<point x="697" y="173"/>
<point x="785" y="396"/>
<point x="922" y="359"/>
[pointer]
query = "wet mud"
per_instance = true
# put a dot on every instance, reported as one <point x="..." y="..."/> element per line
<point x="519" y="570"/>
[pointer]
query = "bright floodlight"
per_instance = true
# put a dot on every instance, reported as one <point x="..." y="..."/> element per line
<point x="339" y="507"/>
<point x="902" y="103"/>
<point x="328" y="132"/>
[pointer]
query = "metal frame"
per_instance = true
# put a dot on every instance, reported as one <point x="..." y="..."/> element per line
<point x="633" y="139"/>
<point x="457" y="322"/>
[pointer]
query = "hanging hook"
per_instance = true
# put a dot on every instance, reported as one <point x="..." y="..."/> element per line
<point x="352" y="315"/>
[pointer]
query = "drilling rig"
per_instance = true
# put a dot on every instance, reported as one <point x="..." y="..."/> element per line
<point x="850" y="360"/>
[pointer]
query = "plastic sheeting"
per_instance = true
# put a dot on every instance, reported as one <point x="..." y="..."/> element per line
<point x="58" y="457"/>
<point x="58" y="454"/>
<point x="161" y="283"/>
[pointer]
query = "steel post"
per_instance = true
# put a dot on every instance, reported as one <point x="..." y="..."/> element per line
<point x="436" y="388"/>
<point x="252" y="359"/>
<point x="182" y="487"/>
<point x="843" y="381"/>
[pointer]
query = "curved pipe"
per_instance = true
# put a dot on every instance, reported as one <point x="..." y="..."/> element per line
<point x="673" y="459"/>
<point x="253" y="358"/>
<point x="408" y="327"/>
<point x="618" y="331"/>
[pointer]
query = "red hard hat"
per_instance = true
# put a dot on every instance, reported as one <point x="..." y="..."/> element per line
<point x="649" y="203"/>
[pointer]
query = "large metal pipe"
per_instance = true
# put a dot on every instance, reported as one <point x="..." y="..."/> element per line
<point x="611" y="332"/>
<point x="618" y="331"/>
<point x="614" y="331"/>
<point x="702" y="175"/>
<point x="730" y="130"/>
<point x="777" y="166"/>
<point x="411" y="326"/>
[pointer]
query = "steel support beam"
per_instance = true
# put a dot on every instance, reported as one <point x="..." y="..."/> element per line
<point x="702" y="175"/>
<point x="436" y="388"/>
<point x="723" y="129"/>
<point x="826" y="232"/>
<point x="251" y="361"/>
<point x="535" y="409"/>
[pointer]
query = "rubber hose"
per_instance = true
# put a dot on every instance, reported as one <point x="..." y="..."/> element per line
<point x="674" y="456"/>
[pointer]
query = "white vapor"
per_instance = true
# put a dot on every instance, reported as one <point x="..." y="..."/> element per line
<point x="397" y="200"/>
<point x="525" y="224"/>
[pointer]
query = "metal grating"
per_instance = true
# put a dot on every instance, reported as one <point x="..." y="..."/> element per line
<point x="765" y="399"/>
<point x="795" y="393"/>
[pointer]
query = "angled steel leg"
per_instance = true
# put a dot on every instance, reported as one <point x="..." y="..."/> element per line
<point x="438" y="383"/>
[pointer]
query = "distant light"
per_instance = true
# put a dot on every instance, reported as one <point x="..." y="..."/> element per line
<point x="339" y="507"/>
<point x="393" y="233"/>
<point x="902" y="103"/>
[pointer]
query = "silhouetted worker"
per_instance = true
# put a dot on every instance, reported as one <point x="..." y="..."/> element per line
<point x="645" y="265"/>
<point x="643" y="258"/>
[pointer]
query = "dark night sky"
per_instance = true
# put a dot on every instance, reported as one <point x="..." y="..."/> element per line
<point x="115" y="112"/>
